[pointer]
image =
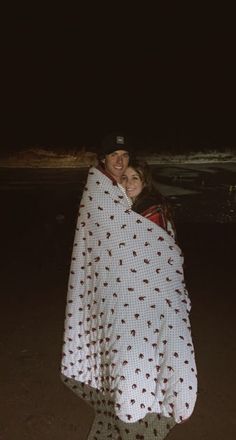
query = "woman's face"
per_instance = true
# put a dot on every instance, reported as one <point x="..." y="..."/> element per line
<point x="132" y="182"/>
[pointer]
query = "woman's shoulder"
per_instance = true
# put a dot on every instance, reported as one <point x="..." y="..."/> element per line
<point x="152" y="209"/>
<point x="149" y="199"/>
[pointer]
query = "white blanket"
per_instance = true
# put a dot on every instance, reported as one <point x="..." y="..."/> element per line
<point x="127" y="330"/>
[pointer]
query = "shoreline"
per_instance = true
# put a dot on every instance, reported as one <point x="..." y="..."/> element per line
<point x="41" y="165"/>
<point x="43" y="158"/>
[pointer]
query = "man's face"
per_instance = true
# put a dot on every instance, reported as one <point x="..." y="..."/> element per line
<point x="116" y="163"/>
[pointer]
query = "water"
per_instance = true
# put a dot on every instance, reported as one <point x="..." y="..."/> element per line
<point x="197" y="192"/>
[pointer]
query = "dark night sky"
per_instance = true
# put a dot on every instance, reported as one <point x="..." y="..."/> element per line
<point x="166" y="78"/>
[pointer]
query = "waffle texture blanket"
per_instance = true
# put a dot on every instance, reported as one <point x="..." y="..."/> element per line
<point x="127" y="328"/>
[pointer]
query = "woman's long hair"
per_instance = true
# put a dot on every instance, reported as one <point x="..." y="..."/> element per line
<point x="149" y="193"/>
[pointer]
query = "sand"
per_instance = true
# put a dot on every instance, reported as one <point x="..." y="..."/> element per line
<point x="36" y="246"/>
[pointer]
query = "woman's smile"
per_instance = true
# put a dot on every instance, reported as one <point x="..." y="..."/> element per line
<point x="132" y="182"/>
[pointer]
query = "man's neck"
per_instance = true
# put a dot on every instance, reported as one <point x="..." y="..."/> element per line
<point x="102" y="168"/>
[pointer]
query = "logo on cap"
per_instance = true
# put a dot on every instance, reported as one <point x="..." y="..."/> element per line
<point x="120" y="140"/>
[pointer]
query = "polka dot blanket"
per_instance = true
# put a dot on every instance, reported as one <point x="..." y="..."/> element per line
<point x="127" y="330"/>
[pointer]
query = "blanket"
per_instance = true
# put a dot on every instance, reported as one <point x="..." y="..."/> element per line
<point x="127" y="329"/>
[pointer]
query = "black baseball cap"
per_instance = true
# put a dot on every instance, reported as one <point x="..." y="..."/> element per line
<point x="113" y="142"/>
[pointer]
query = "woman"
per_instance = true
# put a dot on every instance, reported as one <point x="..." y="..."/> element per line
<point x="147" y="201"/>
<point x="127" y="344"/>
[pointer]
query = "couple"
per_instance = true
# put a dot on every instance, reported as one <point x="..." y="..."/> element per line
<point x="135" y="177"/>
<point x="127" y="345"/>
